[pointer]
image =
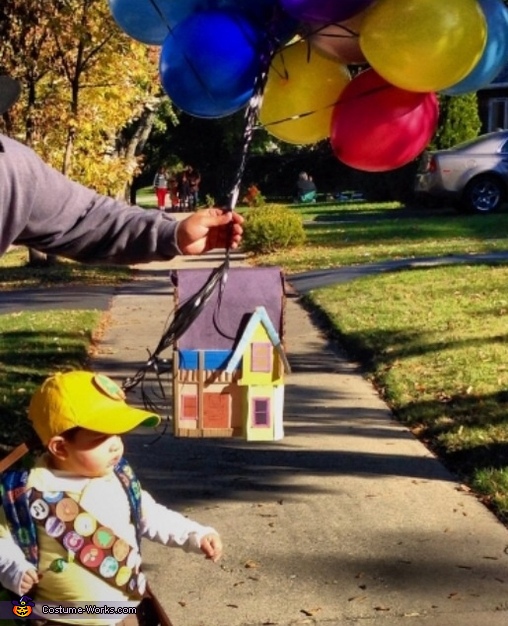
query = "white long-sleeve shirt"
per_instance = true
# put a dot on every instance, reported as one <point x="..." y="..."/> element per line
<point x="106" y="500"/>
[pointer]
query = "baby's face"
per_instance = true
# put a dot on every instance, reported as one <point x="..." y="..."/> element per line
<point x="92" y="454"/>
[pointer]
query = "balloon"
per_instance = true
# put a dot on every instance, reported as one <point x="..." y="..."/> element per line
<point x="377" y="127"/>
<point x="209" y="63"/>
<point x="141" y="20"/>
<point x="423" y="45"/>
<point x="341" y="41"/>
<point x="301" y="82"/>
<point x="323" y="10"/>
<point x="495" y="54"/>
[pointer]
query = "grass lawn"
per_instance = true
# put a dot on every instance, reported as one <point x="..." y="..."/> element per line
<point x="36" y="344"/>
<point x="433" y="341"/>
<point x="338" y="236"/>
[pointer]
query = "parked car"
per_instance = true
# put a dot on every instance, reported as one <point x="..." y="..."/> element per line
<point x="473" y="175"/>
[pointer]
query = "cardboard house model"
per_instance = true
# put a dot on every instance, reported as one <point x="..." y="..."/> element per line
<point x="229" y="365"/>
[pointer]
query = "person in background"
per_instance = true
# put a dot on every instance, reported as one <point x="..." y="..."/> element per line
<point x="160" y="185"/>
<point x="183" y="189"/>
<point x="194" y="179"/>
<point x="42" y="209"/>
<point x="305" y="188"/>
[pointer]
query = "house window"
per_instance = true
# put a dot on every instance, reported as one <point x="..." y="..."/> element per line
<point x="261" y="357"/>
<point x="261" y="412"/>
<point x="189" y="407"/>
<point x="498" y="114"/>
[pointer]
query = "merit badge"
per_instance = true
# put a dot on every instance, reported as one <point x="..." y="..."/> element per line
<point x="85" y="525"/>
<point x="58" y="566"/>
<point x="91" y="556"/>
<point x="120" y="549"/>
<point x="124" y="573"/>
<point x="52" y="496"/>
<point x="103" y="537"/>
<point x="73" y="542"/>
<point x="39" y="509"/>
<point x="67" y="509"/>
<point x="109" y="387"/>
<point x="54" y="526"/>
<point x="108" y="567"/>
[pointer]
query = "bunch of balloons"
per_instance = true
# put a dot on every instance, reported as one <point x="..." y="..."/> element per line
<point x="363" y="73"/>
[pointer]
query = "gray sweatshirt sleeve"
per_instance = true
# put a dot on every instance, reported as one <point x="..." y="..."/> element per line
<point x="42" y="209"/>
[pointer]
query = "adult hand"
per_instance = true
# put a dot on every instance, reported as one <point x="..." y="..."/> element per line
<point x="209" y="229"/>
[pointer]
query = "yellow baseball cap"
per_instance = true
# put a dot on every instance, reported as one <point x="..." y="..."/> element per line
<point x="84" y="399"/>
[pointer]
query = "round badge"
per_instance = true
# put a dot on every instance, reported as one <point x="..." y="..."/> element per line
<point x="58" y="566"/>
<point x="103" y="537"/>
<point x="52" y="496"/>
<point x="39" y="509"/>
<point x="91" y="556"/>
<point x="73" y="542"/>
<point x="54" y="526"/>
<point x="109" y="387"/>
<point x="124" y="573"/>
<point x="108" y="567"/>
<point x="85" y="525"/>
<point x="141" y="583"/>
<point x="67" y="509"/>
<point x="121" y="549"/>
<point x="133" y="560"/>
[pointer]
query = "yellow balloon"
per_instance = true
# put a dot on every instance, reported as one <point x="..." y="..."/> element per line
<point x="423" y="45"/>
<point x="302" y="87"/>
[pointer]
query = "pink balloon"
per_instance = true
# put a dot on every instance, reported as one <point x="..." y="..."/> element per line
<point x="378" y="127"/>
<point x="339" y="40"/>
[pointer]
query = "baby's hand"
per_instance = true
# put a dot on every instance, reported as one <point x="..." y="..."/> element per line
<point x="28" y="580"/>
<point x="211" y="545"/>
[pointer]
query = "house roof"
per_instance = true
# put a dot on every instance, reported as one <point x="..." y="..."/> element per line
<point x="260" y="316"/>
<point x="222" y="321"/>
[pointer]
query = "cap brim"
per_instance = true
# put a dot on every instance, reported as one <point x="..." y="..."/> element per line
<point x="9" y="93"/>
<point x="122" y="419"/>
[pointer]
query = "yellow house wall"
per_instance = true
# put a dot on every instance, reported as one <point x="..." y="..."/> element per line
<point x="249" y="377"/>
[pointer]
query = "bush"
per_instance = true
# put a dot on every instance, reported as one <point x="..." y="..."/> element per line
<point x="272" y="227"/>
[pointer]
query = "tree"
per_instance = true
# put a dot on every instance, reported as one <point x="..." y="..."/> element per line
<point x="458" y="120"/>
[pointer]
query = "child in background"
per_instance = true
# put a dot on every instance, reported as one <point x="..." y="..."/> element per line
<point x="87" y="510"/>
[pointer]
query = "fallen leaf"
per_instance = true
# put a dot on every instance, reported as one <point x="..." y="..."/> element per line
<point x="382" y="608"/>
<point x="232" y="606"/>
<point x="310" y="612"/>
<point x="182" y="603"/>
<point x="251" y="564"/>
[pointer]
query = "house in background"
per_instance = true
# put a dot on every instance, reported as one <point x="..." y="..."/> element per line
<point x="229" y="366"/>
<point x="493" y="103"/>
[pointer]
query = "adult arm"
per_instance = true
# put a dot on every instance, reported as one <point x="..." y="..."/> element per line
<point x="41" y="208"/>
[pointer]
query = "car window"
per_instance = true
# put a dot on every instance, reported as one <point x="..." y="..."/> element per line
<point x="504" y="147"/>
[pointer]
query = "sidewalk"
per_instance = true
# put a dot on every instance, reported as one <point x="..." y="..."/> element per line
<point x="348" y="520"/>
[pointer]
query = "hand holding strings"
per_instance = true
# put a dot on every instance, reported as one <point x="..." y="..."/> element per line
<point x="209" y="229"/>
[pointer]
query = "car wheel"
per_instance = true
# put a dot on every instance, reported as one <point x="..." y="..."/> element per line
<point x="484" y="194"/>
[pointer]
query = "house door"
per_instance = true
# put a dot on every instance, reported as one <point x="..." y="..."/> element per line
<point x="216" y="413"/>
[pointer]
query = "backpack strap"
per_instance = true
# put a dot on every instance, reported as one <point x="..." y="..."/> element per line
<point x="16" y="503"/>
<point x="132" y="487"/>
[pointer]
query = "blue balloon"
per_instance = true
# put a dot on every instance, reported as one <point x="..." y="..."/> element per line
<point x="209" y="63"/>
<point x="141" y="20"/>
<point x="495" y="54"/>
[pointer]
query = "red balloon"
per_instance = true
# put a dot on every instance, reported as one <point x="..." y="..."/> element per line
<point x="378" y="127"/>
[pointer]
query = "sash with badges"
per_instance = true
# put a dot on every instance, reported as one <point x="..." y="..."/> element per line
<point x="96" y="547"/>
